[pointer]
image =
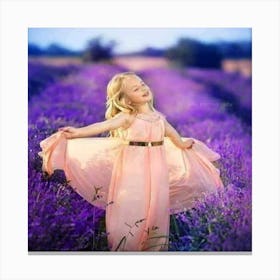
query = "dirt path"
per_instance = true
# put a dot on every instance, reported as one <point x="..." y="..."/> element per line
<point x="137" y="63"/>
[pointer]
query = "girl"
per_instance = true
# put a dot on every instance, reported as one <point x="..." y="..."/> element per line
<point x="141" y="174"/>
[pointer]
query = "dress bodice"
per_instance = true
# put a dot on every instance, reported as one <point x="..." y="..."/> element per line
<point x="145" y="127"/>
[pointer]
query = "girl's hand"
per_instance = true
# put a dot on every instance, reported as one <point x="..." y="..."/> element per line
<point x="188" y="143"/>
<point x="69" y="131"/>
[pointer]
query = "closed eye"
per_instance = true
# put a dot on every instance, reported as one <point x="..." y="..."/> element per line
<point x="142" y="84"/>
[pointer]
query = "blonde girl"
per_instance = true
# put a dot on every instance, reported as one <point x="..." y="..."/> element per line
<point x="145" y="169"/>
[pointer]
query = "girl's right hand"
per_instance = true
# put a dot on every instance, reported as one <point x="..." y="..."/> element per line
<point x="188" y="143"/>
<point x="69" y="131"/>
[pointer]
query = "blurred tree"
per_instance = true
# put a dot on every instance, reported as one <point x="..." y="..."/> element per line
<point x="189" y="52"/>
<point x="241" y="49"/>
<point x="96" y="51"/>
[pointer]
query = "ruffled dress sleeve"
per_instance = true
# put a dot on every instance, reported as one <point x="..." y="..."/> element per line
<point x="87" y="163"/>
<point x="192" y="174"/>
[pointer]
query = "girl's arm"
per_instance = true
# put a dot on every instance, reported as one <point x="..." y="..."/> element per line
<point x="171" y="132"/>
<point x="119" y="120"/>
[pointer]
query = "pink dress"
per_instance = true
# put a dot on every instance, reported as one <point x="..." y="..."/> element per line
<point x="138" y="186"/>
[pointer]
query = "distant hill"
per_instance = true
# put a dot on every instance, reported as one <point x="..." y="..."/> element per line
<point x="51" y="50"/>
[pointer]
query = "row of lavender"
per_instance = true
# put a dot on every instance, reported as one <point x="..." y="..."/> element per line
<point x="223" y="222"/>
<point x="232" y="88"/>
<point x="60" y="220"/>
<point x="233" y="83"/>
<point x="40" y="75"/>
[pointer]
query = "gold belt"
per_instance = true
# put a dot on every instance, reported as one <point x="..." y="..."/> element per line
<point x="135" y="143"/>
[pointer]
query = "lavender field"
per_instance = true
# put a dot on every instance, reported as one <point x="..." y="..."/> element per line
<point x="212" y="106"/>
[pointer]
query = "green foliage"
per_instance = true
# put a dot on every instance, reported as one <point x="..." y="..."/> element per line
<point x="97" y="51"/>
<point x="188" y="52"/>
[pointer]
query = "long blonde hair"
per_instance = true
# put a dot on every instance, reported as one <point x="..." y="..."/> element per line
<point x="115" y="101"/>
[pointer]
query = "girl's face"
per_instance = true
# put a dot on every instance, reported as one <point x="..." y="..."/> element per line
<point x="136" y="91"/>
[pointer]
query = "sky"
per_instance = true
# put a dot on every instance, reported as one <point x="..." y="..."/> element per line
<point x="132" y="39"/>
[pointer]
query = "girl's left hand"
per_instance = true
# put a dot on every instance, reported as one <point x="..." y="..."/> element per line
<point x="70" y="132"/>
<point x="188" y="143"/>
